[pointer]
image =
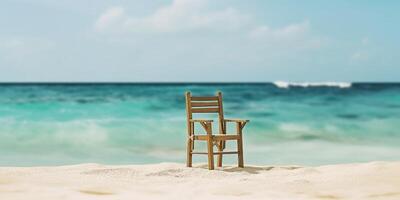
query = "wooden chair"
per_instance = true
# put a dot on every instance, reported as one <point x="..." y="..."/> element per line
<point x="212" y="104"/>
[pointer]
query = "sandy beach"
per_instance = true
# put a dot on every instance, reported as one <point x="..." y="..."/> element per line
<point x="374" y="180"/>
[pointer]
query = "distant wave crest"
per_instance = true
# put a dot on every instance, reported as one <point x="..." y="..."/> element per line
<point x="283" y="84"/>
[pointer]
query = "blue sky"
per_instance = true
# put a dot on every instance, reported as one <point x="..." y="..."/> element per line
<point x="199" y="40"/>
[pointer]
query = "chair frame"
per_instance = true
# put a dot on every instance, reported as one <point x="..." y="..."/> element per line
<point x="212" y="104"/>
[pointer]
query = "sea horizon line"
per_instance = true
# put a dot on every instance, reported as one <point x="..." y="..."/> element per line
<point x="179" y="82"/>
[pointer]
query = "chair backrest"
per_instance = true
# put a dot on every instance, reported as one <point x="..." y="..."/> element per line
<point x="205" y="104"/>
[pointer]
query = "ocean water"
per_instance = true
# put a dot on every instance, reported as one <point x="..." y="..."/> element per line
<point x="304" y="124"/>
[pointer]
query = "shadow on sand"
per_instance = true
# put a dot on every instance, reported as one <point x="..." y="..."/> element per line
<point x="249" y="169"/>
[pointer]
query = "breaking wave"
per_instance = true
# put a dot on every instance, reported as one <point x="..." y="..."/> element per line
<point x="283" y="84"/>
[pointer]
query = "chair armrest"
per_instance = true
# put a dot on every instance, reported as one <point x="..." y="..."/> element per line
<point x="236" y="120"/>
<point x="201" y="120"/>
<point x="205" y="123"/>
<point x="240" y="123"/>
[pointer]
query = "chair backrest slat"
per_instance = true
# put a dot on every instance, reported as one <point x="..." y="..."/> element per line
<point x="204" y="104"/>
<point x="204" y="98"/>
<point x="205" y="110"/>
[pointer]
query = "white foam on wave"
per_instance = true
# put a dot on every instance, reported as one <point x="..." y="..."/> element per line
<point x="283" y="84"/>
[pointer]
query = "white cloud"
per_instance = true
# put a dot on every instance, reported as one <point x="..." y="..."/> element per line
<point x="183" y="16"/>
<point x="180" y="16"/>
<point x="296" y="35"/>
<point x="111" y="17"/>
<point x="290" y="31"/>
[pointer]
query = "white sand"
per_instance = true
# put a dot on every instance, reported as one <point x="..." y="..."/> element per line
<point x="376" y="180"/>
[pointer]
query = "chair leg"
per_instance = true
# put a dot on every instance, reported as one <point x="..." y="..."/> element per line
<point x="192" y="131"/>
<point x="240" y="152"/>
<point x="189" y="152"/>
<point x="220" y="149"/>
<point x="210" y="153"/>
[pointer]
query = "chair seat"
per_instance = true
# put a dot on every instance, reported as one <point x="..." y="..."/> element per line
<point x="217" y="137"/>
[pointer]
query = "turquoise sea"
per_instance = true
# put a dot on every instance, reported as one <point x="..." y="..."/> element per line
<point x="304" y="124"/>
